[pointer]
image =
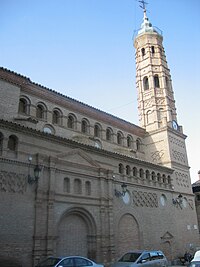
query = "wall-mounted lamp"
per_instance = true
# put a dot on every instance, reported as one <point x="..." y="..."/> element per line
<point x="124" y="190"/>
<point x="178" y="200"/>
<point x="37" y="171"/>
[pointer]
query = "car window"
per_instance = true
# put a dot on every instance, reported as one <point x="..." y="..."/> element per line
<point x="49" y="262"/>
<point x="154" y="255"/>
<point x="160" y="255"/>
<point x="130" y="257"/>
<point x="82" y="262"/>
<point x="145" y="257"/>
<point x="67" y="263"/>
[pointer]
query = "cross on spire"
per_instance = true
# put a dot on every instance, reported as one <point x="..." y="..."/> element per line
<point x="143" y="4"/>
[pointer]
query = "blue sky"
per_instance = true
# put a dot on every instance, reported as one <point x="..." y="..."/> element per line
<point x="84" y="49"/>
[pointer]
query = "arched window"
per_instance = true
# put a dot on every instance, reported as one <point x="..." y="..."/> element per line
<point x="119" y="138"/>
<point x="153" y="176"/>
<point x="156" y="81"/>
<point x="97" y="130"/>
<point x="88" y="188"/>
<point x="146" y="83"/>
<point x="158" y="177"/>
<point x="135" y="171"/>
<point x="128" y="170"/>
<point x="84" y="126"/>
<point x="23" y="106"/>
<point x="40" y="111"/>
<point x="168" y="179"/>
<point x="71" y="121"/>
<point x="141" y="173"/>
<point x="129" y="141"/>
<point x="12" y="143"/>
<point x="164" y="178"/>
<point x="143" y="51"/>
<point x="147" y="174"/>
<point x="153" y="50"/>
<point x="77" y="186"/>
<point x="56" y="118"/>
<point x="108" y="134"/>
<point x="66" y="185"/>
<point x="138" y="144"/>
<point x="121" y="168"/>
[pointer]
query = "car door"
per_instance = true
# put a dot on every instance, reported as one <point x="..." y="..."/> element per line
<point x="145" y="261"/>
<point x="82" y="262"/>
<point x="67" y="262"/>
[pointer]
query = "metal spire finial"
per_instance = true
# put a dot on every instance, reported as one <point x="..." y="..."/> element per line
<point x="143" y="5"/>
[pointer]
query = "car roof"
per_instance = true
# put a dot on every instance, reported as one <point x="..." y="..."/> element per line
<point x="64" y="257"/>
<point x="141" y="251"/>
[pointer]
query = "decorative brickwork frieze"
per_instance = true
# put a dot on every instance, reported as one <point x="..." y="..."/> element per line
<point x="148" y="103"/>
<point x="175" y="141"/>
<point x="178" y="156"/>
<point x="12" y="182"/>
<point x="160" y="101"/>
<point x="182" y="179"/>
<point x="145" y="199"/>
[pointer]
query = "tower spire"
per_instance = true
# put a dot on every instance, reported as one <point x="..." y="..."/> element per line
<point x="146" y="26"/>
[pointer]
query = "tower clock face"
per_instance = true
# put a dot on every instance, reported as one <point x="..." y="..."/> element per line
<point x="175" y="125"/>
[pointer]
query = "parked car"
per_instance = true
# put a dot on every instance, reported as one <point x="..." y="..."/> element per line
<point x="196" y="260"/>
<point x="142" y="258"/>
<point x="71" y="261"/>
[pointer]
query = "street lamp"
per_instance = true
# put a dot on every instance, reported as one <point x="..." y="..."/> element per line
<point x="178" y="200"/>
<point x="123" y="192"/>
<point x="37" y="172"/>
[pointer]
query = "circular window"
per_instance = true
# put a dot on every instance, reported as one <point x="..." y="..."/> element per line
<point x="97" y="144"/>
<point x="48" y="129"/>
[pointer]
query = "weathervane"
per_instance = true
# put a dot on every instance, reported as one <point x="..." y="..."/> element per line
<point x="143" y="6"/>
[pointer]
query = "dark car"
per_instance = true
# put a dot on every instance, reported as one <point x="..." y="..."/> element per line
<point x="71" y="261"/>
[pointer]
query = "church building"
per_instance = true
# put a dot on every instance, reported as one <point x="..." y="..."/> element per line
<point x="75" y="180"/>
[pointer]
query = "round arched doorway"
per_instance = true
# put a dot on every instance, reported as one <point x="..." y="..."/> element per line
<point x="127" y="234"/>
<point x="76" y="234"/>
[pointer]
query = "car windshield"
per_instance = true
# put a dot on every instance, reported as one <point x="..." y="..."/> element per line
<point x="50" y="262"/>
<point x="130" y="257"/>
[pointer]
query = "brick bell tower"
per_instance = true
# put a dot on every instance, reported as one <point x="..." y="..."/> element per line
<point x="165" y="141"/>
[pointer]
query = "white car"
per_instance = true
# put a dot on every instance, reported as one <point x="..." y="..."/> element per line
<point x="196" y="260"/>
<point x="142" y="258"/>
<point x="71" y="261"/>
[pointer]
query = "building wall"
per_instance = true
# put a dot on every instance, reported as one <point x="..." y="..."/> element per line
<point x="51" y="217"/>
